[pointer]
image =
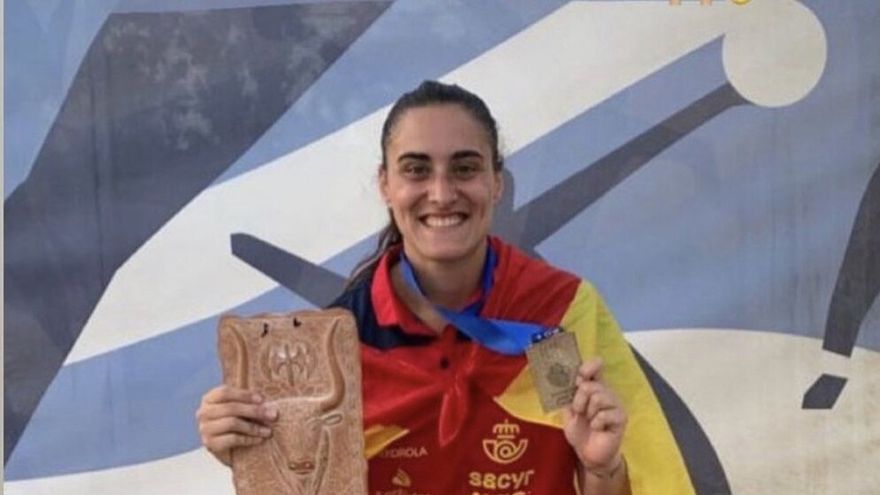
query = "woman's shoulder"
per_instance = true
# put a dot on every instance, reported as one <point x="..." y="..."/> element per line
<point x="529" y="289"/>
<point x="525" y="268"/>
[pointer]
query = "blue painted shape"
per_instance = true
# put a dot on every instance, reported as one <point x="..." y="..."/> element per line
<point x="44" y="49"/>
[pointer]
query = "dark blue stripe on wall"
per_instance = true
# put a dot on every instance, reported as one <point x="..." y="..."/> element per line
<point x="161" y="106"/>
<point x="858" y="283"/>
<point x="705" y="469"/>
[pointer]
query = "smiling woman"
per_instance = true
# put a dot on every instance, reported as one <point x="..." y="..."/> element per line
<point x="446" y="313"/>
<point x="447" y="145"/>
<point x="441" y="189"/>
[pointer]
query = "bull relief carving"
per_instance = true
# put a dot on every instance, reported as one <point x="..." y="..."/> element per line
<point x="308" y="365"/>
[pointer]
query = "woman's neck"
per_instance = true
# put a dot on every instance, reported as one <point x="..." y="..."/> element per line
<point x="449" y="285"/>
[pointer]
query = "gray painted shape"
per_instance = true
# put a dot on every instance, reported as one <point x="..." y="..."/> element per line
<point x="315" y="283"/>
<point x="823" y="393"/>
<point x="858" y="283"/>
<point x="856" y="290"/>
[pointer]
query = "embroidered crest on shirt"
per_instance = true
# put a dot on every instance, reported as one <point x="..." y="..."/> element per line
<point x="505" y="448"/>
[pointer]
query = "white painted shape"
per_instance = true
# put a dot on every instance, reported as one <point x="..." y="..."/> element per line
<point x="192" y="473"/>
<point x="777" y="52"/>
<point x="535" y="81"/>
<point x="745" y="388"/>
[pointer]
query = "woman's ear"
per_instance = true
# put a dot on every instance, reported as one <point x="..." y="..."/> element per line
<point x="499" y="187"/>
<point x="383" y="183"/>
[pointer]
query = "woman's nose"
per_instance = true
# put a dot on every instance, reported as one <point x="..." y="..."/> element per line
<point x="442" y="189"/>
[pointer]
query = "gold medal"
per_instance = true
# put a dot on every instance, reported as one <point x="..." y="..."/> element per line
<point x="554" y="361"/>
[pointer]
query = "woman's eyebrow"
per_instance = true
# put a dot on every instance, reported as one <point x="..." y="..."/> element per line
<point x="412" y="155"/>
<point x="466" y="154"/>
<point x="458" y="155"/>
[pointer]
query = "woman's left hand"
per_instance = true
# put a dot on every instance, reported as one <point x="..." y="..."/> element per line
<point x="595" y="421"/>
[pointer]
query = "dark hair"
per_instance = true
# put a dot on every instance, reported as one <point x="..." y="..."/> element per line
<point x="426" y="94"/>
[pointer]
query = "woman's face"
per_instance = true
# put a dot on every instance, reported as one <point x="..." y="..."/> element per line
<point x="439" y="183"/>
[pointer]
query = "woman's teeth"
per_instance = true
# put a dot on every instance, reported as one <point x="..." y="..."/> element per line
<point x="444" y="221"/>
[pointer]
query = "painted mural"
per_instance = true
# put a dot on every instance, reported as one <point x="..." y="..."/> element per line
<point x="712" y="167"/>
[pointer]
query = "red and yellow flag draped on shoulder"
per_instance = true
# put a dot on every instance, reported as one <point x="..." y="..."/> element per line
<point x="443" y="414"/>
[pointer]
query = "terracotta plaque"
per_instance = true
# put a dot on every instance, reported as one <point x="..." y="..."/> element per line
<point x="307" y="364"/>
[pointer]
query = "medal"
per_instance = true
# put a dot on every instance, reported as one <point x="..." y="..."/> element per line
<point x="553" y="362"/>
<point x="552" y="353"/>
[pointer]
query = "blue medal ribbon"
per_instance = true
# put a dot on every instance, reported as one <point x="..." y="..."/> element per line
<point x="504" y="336"/>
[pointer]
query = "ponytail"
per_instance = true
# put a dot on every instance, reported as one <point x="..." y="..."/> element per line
<point x="388" y="238"/>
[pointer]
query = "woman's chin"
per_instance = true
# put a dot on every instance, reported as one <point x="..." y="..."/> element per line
<point x="451" y="253"/>
<point x="446" y="255"/>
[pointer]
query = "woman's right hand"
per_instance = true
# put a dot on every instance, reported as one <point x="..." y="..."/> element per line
<point x="231" y="417"/>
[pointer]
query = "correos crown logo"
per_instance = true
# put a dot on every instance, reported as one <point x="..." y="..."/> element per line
<point x="505" y="448"/>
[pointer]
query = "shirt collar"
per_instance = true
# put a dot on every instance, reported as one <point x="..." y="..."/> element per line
<point x="389" y="308"/>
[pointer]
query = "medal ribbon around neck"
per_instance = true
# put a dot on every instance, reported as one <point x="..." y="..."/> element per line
<point x="504" y="336"/>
